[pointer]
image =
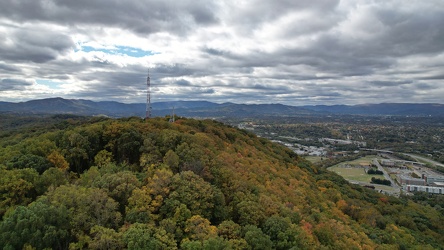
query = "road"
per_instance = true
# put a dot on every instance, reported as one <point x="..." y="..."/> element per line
<point x="386" y="175"/>
<point x="425" y="159"/>
<point x="411" y="155"/>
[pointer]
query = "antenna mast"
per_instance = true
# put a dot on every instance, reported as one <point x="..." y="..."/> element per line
<point x="173" y="119"/>
<point x="148" y="96"/>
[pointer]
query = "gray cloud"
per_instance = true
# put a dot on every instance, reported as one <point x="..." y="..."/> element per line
<point x="434" y="77"/>
<point x="140" y="16"/>
<point x="388" y="83"/>
<point x="33" y="44"/>
<point x="294" y="52"/>
<point x="183" y="82"/>
<point x="4" y="68"/>
<point x="13" y="84"/>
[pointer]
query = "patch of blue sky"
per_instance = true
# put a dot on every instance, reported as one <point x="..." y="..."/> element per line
<point x="120" y="50"/>
<point x="51" y="84"/>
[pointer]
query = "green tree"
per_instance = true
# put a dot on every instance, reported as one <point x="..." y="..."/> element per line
<point x="172" y="160"/>
<point x="175" y="221"/>
<point x="87" y="207"/>
<point x="39" y="146"/>
<point x="229" y="230"/>
<point x="145" y="202"/>
<point x="282" y="233"/>
<point x="191" y="245"/>
<point x="250" y="213"/>
<point x="53" y="177"/>
<point x="217" y="243"/>
<point x="274" y="225"/>
<point x="169" y="140"/>
<point x="139" y="208"/>
<point x="119" y="186"/>
<point x="150" y="153"/>
<point x="39" y="225"/>
<point x="191" y="190"/>
<point x="199" y="228"/>
<point x="214" y="243"/>
<point x="160" y="183"/>
<point x="194" y="157"/>
<point x="39" y="163"/>
<point x="105" y="239"/>
<point x="103" y="158"/>
<point x="146" y="236"/>
<point x="88" y="177"/>
<point x="256" y="239"/>
<point x="232" y="232"/>
<point x="220" y="210"/>
<point x="75" y="148"/>
<point x="17" y="187"/>
<point x="128" y="147"/>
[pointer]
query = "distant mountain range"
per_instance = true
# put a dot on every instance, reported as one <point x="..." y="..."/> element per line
<point x="210" y="109"/>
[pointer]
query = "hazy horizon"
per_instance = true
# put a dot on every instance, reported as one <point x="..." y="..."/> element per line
<point x="239" y="103"/>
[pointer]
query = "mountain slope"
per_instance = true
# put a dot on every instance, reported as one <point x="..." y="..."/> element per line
<point x="189" y="185"/>
<point x="209" y="109"/>
<point x="66" y="106"/>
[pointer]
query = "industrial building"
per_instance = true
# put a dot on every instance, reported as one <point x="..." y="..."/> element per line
<point x="404" y="179"/>
<point x="430" y="179"/>
<point x="428" y="189"/>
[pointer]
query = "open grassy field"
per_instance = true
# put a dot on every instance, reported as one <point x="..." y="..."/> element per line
<point x="313" y="159"/>
<point x="356" y="174"/>
<point x="352" y="173"/>
<point x="367" y="160"/>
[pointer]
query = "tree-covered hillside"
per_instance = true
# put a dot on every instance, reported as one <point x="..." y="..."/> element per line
<point x="77" y="183"/>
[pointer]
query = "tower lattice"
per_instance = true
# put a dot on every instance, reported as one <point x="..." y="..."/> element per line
<point x="148" y="96"/>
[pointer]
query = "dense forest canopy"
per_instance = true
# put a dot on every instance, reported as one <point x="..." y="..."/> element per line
<point x="98" y="183"/>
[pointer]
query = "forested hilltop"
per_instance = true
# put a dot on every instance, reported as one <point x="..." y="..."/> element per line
<point x="97" y="183"/>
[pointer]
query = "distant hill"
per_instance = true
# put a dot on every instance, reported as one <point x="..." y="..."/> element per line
<point x="210" y="109"/>
<point x="116" y="109"/>
<point x="69" y="106"/>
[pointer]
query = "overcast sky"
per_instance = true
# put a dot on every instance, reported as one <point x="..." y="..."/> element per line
<point x="243" y="51"/>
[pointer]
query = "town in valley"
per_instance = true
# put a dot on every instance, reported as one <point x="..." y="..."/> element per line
<point x="390" y="154"/>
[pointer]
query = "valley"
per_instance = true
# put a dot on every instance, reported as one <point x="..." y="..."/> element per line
<point x="349" y="145"/>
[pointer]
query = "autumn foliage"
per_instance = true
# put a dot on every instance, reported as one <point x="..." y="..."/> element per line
<point x="192" y="184"/>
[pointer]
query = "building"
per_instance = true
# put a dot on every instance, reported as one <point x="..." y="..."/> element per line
<point x="343" y="142"/>
<point x="430" y="179"/>
<point x="399" y="163"/>
<point x="428" y="189"/>
<point x="408" y="180"/>
<point x="438" y="184"/>
<point x="388" y="163"/>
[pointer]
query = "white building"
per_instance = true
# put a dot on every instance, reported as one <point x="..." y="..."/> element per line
<point x="428" y="189"/>
<point x="434" y="178"/>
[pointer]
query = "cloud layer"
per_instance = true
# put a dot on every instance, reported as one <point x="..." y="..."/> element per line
<point x="250" y="51"/>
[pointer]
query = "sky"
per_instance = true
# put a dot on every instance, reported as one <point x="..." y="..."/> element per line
<point x="304" y="52"/>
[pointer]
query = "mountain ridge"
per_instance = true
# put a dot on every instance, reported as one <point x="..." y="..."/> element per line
<point x="60" y="105"/>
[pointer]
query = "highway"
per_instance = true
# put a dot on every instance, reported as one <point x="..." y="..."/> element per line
<point x="386" y="175"/>
<point x="411" y="155"/>
<point x="425" y="159"/>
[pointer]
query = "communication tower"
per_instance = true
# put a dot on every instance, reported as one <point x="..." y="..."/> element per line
<point x="148" y="96"/>
<point x="172" y="119"/>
